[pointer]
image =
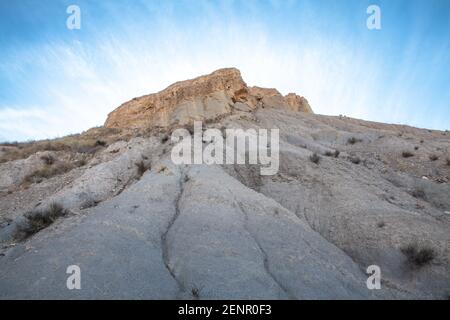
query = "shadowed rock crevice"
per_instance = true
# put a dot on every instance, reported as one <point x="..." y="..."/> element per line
<point x="164" y="241"/>
<point x="264" y="255"/>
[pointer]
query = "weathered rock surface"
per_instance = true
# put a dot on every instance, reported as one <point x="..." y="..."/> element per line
<point x="224" y="231"/>
<point x="205" y="97"/>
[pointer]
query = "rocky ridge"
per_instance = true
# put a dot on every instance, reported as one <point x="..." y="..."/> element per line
<point x="205" y="97"/>
<point x="348" y="194"/>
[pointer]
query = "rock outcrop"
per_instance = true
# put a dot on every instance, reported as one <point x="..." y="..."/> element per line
<point x="203" y="98"/>
<point x="297" y="103"/>
<point x="140" y="226"/>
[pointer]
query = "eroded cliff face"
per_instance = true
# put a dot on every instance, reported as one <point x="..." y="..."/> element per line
<point x="345" y="197"/>
<point x="203" y="98"/>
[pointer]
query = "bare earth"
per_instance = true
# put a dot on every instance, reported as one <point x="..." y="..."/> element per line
<point x="141" y="227"/>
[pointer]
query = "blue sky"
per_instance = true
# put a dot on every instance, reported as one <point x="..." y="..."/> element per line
<point x="55" y="81"/>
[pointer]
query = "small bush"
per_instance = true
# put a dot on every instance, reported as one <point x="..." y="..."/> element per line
<point x="141" y="167"/>
<point x="38" y="220"/>
<point x="416" y="148"/>
<point x="164" y="138"/>
<point x="334" y="153"/>
<point x="418" y="256"/>
<point x="80" y="163"/>
<point x="87" y="149"/>
<point x="433" y="157"/>
<point x="47" y="172"/>
<point x="448" y="161"/>
<point x="355" y="160"/>
<point x="48" y="159"/>
<point x="418" y="193"/>
<point x="89" y="203"/>
<point x="381" y="224"/>
<point x="407" y="154"/>
<point x="353" y="140"/>
<point x="100" y="143"/>
<point x="162" y="169"/>
<point x="315" y="158"/>
<point x="195" y="291"/>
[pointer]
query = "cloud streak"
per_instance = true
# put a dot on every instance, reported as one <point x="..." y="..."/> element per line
<point x="70" y="85"/>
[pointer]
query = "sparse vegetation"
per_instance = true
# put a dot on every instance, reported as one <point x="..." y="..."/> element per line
<point x="332" y="153"/>
<point x="9" y="144"/>
<point x="315" y="158"/>
<point x="48" y="159"/>
<point x="81" y="163"/>
<point x="381" y="224"/>
<point x="418" y="193"/>
<point x="164" y="138"/>
<point x="162" y="169"/>
<point x="433" y="157"/>
<point x="353" y="140"/>
<point x="38" y="220"/>
<point x="417" y="256"/>
<point x="407" y="154"/>
<point x="88" y="149"/>
<point x="448" y="161"/>
<point x="355" y="160"/>
<point x="87" y="142"/>
<point x="100" y="143"/>
<point x="89" y="203"/>
<point x="141" y="167"/>
<point x="195" y="291"/>
<point x="47" y="172"/>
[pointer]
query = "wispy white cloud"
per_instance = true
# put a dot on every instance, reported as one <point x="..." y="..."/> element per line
<point x="75" y="84"/>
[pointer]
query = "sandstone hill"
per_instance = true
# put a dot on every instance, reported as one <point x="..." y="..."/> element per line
<point x="206" y="97"/>
<point x="348" y="194"/>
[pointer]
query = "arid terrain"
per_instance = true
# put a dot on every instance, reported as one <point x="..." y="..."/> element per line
<point x="348" y="194"/>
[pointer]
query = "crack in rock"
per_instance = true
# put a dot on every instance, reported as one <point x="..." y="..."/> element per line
<point x="265" y="257"/>
<point x="164" y="243"/>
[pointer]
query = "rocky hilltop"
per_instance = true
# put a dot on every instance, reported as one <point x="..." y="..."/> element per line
<point x="205" y="97"/>
<point x="349" y="194"/>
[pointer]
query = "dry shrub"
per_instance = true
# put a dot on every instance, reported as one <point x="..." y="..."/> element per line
<point x="38" y="220"/>
<point x="315" y="158"/>
<point x="417" y="256"/>
<point x="353" y="140"/>
<point x="47" y="172"/>
<point x="433" y="157"/>
<point x="407" y="154"/>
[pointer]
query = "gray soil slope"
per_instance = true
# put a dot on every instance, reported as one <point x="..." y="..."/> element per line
<point x="226" y="232"/>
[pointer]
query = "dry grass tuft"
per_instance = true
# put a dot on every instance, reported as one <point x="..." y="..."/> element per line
<point x="417" y="256"/>
<point x="353" y="140"/>
<point x="315" y="158"/>
<point x="47" y="172"/>
<point x="142" y="167"/>
<point x="38" y="220"/>
<point x="433" y="157"/>
<point x="407" y="154"/>
<point x="89" y="142"/>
